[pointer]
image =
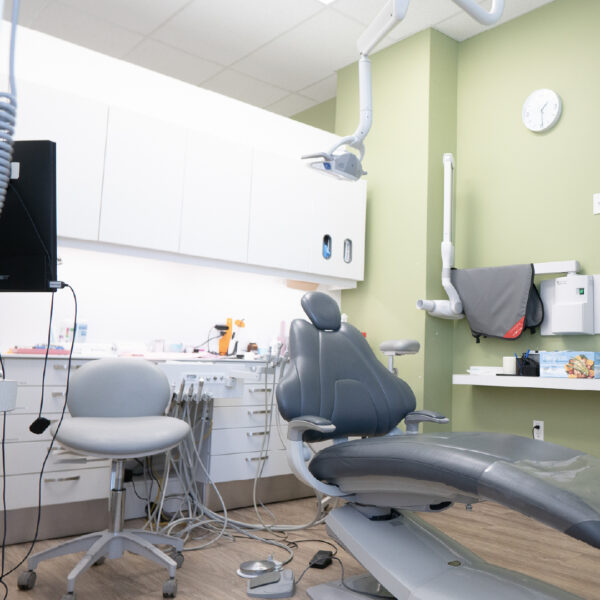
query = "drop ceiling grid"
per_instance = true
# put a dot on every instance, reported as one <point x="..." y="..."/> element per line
<point x="278" y="54"/>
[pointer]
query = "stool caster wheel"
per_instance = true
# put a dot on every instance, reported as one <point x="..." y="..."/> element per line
<point x="26" y="580"/>
<point x="170" y="588"/>
<point x="177" y="557"/>
<point x="100" y="561"/>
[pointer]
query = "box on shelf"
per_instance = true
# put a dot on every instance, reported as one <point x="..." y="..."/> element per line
<point x="571" y="364"/>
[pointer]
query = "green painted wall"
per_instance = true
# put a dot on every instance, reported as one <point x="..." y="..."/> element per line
<point x="321" y="116"/>
<point x="524" y="197"/>
<point x="520" y="197"/>
<point x="414" y="107"/>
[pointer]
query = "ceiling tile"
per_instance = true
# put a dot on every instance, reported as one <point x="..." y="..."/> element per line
<point x="228" y="30"/>
<point x="75" y="26"/>
<point x="310" y="52"/>
<point x="170" y="61"/>
<point x="322" y="90"/>
<point x="141" y="16"/>
<point x="28" y="10"/>
<point x="245" y="88"/>
<point x="462" y="26"/>
<point x="291" y="105"/>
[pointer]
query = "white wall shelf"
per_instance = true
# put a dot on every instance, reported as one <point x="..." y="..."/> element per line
<point x="552" y="383"/>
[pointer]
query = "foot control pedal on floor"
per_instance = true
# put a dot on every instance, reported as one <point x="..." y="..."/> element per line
<point x="277" y="584"/>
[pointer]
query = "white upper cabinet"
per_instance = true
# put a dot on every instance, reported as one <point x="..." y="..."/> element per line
<point x="340" y="224"/>
<point x="216" y="198"/>
<point x="78" y="126"/>
<point x="294" y="208"/>
<point x="143" y="182"/>
<point x="281" y="212"/>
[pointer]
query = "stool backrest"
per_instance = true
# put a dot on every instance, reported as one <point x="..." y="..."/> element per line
<point x="118" y="387"/>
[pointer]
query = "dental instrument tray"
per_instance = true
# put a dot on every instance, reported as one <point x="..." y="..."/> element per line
<point x="499" y="301"/>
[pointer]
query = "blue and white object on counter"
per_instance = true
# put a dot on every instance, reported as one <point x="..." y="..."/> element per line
<point x="570" y="364"/>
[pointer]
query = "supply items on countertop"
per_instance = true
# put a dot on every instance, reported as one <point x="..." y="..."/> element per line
<point x="570" y="364"/>
<point x="528" y="364"/>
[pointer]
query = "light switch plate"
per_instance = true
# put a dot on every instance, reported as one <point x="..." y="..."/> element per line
<point x="596" y="205"/>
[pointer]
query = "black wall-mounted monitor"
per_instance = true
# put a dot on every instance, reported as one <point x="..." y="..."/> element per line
<point x="28" y="256"/>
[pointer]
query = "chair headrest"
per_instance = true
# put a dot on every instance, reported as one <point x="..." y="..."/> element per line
<point x="322" y="310"/>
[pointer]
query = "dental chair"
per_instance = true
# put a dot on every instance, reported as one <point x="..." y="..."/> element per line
<point x="117" y="407"/>
<point x="335" y="387"/>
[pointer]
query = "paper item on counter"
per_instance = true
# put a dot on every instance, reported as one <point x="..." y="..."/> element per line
<point x="484" y="370"/>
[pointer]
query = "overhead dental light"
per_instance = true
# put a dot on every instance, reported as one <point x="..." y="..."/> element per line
<point x="346" y="164"/>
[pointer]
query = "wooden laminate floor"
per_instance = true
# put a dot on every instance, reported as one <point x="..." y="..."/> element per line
<point x="497" y="534"/>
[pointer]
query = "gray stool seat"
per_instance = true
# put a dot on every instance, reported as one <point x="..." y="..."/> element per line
<point x="121" y="437"/>
<point x="554" y="484"/>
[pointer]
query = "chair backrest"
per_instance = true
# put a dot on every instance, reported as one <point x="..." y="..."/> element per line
<point x="333" y="373"/>
<point x="118" y="387"/>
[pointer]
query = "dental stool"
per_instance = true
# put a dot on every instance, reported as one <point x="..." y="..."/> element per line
<point x="117" y="407"/>
<point x="335" y="387"/>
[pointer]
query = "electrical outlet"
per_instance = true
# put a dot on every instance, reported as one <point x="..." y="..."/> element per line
<point x="538" y="430"/>
<point x="596" y="204"/>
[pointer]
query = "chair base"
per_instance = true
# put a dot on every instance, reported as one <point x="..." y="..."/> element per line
<point x="412" y="559"/>
<point x="109" y="544"/>
<point x="363" y="584"/>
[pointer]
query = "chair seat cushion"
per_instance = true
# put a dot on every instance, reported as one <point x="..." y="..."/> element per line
<point x="556" y="485"/>
<point x="121" y="437"/>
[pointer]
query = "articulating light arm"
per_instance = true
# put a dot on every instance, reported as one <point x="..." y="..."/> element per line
<point x="346" y="165"/>
<point x="481" y="15"/>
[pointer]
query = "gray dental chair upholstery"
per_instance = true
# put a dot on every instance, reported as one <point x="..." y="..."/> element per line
<point x="335" y="387"/>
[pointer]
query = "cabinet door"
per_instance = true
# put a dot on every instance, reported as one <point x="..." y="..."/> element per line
<point x="340" y="216"/>
<point x="78" y="126"/>
<point x="143" y="180"/>
<point x="281" y="212"/>
<point x="216" y="198"/>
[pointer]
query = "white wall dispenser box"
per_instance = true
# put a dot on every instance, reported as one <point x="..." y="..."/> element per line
<point x="569" y="305"/>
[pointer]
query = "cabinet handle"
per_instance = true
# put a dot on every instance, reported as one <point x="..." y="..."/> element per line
<point x="58" y="394"/>
<point x="259" y="412"/>
<point x="263" y="390"/>
<point x="254" y="458"/>
<point x="60" y="367"/>
<point x="12" y="439"/>
<point x="253" y="433"/>
<point x="61" y="479"/>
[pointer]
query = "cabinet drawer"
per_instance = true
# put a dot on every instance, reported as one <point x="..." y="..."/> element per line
<point x="231" y="441"/>
<point x="57" y="488"/>
<point x="235" y="467"/>
<point x="17" y="428"/>
<point x="28" y="399"/>
<point x="28" y="371"/>
<point x="225" y="417"/>
<point x="27" y="457"/>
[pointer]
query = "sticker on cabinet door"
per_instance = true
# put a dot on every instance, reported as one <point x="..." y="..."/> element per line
<point x="347" y="250"/>
<point x="327" y="247"/>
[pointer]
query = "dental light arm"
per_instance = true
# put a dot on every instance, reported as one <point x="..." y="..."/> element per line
<point x="481" y="15"/>
<point x="451" y="308"/>
<point x="346" y="165"/>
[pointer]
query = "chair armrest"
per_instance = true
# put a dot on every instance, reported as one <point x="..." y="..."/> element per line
<point x="297" y="426"/>
<point x="413" y="419"/>
<point x="399" y="347"/>
<point x="295" y="451"/>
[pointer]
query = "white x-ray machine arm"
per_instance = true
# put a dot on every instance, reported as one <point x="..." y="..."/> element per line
<point x="347" y="165"/>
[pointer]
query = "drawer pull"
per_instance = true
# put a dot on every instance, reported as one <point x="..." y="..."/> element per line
<point x="254" y="458"/>
<point x="260" y="412"/>
<point x="253" y="433"/>
<point x="12" y="439"/>
<point x="258" y="390"/>
<point x="61" y="479"/>
<point x="58" y="394"/>
<point x="64" y="367"/>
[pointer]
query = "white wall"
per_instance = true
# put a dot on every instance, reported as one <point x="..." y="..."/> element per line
<point x="132" y="297"/>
